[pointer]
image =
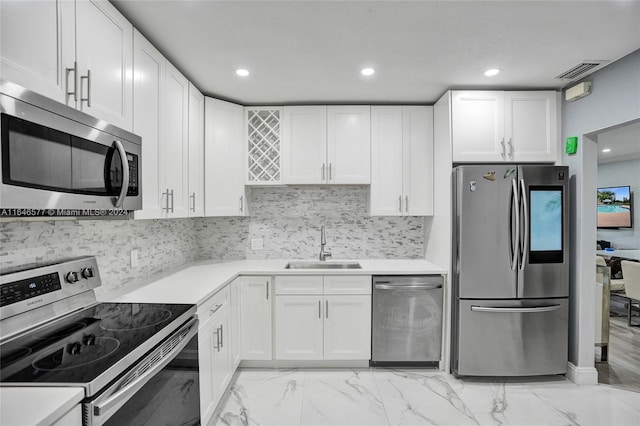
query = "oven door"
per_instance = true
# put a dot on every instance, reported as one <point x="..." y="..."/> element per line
<point x="50" y="161"/>
<point x="161" y="388"/>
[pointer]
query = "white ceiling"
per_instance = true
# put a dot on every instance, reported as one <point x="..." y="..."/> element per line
<point x="623" y="141"/>
<point x="312" y="51"/>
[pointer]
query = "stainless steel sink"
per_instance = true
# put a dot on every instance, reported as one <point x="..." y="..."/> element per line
<point x="323" y="265"/>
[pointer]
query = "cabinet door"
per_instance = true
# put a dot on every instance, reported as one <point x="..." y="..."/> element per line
<point x="222" y="369"/>
<point x="298" y="327"/>
<point x="417" y="142"/>
<point x="104" y="41"/>
<point x="224" y="159"/>
<point x="38" y="42"/>
<point x="478" y="126"/>
<point x="386" y="161"/>
<point x="196" y="152"/>
<point x="236" y="332"/>
<point x="531" y="126"/>
<point x="174" y="150"/>
<point x="349" y="144"/>
<point x="347" y="327"/>
<point x="255" y="307"/>
<point x="304" y="145"/>
<point x="207" y="342"/>
<point x="148" y="82"/>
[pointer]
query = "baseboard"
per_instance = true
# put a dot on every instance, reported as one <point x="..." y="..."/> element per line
<point x="582" y="375"/>
<point x="304" y="364"/>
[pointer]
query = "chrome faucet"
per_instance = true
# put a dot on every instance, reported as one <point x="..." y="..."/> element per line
<point x="323" y="242"/>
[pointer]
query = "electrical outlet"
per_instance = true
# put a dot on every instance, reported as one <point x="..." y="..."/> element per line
<point x="134" y="258"/>
<point x="256" y="244"/>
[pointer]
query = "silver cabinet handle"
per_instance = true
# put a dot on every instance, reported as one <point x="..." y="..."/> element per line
<point x="319" y="309"/>
<point x="322" y="168"/>
<point x="119" y="202"/>
<point x="406" y="203"/>
<point x="73" y="70"/>
<point x="326" y="309"/>
<point x="400" y="203"/>
<point x="165" y="194"/>
<point x="221" y="336"/>
<point x="88" y="78"/>
<point x="217" y="346"/>
<point x="536" y="309"/>
<point x="216" y="309"/>
<point x="510" y="143"/>
<point x="267" y="290"/>
<point x="193" y="198"/>
<point x="172" y="201"/>
<point x="503" y="154"/>
<point x="330" y="177"/>
<point x="241" y="203"/>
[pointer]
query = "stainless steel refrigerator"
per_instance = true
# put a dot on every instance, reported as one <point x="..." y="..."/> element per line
<point x="510" y="270"/>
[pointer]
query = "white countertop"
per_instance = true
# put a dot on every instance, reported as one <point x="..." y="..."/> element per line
<point x="36" y="406"/>
<point x="197" y="281"/>
<point x="621" y="253"/>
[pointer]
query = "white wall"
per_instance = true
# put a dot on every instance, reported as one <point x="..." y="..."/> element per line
<point x="617" y="174"/>
<point x="615" y="99"/>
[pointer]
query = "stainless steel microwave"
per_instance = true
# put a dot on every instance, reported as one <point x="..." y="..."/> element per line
<point x="55" y="157"/>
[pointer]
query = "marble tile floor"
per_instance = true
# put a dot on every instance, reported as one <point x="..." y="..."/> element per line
<point x="411" y="397"/>
<point x="623" y="367"/>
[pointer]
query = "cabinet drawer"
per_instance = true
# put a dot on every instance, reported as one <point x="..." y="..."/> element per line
<point x="299" y="284"/>
<point x="214" y="304"/>
<point x="347" y="284"/>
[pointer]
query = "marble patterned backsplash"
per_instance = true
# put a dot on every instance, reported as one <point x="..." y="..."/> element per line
<point x="288" y="219"/>
<point x="162" y="245"/>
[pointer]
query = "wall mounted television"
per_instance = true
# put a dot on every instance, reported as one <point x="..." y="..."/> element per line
<point x="615" y="207"/>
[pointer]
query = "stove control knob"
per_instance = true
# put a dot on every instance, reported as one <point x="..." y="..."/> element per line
<point x="74" y="348"/>
<point x="72" y="277"/>
<point x="89" y="340"/>
<point x="87" y="273"/>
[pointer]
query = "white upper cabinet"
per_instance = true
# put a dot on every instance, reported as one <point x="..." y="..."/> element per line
<point x="326" y="144"/>
<point x="161" y="105"/>
<point x="349" y="144"/>
<point x="262" y="138"/>
<point x="304" y="144"/>
<point x="196" y="152"/>
<point x="490" y="126"/>
<point x="224" y="159"/>
<point x="401" y="160"/>
<point x="78" y="53"/>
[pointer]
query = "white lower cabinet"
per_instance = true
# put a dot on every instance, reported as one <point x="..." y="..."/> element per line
<point x="215" y="350"/>
<point x="236" y="331"/>
<point x="255" y="302"/>
<point x="323" y="326"/>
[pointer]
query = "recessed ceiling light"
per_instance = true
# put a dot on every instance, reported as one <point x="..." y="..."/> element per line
<point x="367" y="71"/>
<point x="606" y="150"/>
<point x="242" y="72"/>
<point x="492" y="72"/>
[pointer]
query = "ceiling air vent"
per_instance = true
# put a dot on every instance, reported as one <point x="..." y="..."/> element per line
<point x="580" y="70"/>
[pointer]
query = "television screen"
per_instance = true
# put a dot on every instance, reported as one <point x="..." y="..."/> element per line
<point x="614" y="207"/>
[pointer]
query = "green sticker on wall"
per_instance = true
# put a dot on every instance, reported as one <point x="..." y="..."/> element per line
<point x="571" y="147"/>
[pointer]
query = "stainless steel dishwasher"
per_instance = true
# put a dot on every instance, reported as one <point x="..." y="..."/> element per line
<point x="407" y="319"/>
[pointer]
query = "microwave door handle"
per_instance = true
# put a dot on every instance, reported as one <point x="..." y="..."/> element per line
<point x="119" y="202"/>
<point x="122" y="395"/>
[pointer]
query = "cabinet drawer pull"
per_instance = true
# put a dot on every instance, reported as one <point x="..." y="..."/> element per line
<point x="216" y="309"/>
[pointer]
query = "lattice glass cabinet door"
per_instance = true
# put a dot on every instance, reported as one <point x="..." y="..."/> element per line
<point x="263" y="145"/>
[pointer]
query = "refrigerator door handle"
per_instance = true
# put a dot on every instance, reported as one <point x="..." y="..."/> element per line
<point x="525" y="218"/>
<point x="535" y="309"/>
<point x="514" y="236"/>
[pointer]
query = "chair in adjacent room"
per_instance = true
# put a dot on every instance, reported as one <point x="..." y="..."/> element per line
<point x="631" y="273"/>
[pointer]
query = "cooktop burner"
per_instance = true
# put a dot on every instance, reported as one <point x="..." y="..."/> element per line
<point x="80" y="347"/>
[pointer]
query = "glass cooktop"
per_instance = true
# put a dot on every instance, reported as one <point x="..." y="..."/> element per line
<point x="81" y="347"/>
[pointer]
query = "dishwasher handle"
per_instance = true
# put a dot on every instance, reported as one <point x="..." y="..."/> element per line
<point x="408" y="287"/>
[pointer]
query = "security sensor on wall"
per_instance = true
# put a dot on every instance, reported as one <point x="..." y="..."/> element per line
<point x="578" y="91"/>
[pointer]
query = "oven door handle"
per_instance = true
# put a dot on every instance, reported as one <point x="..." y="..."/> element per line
<point x="119" y="201"/>
<point x="147" y="370"/>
